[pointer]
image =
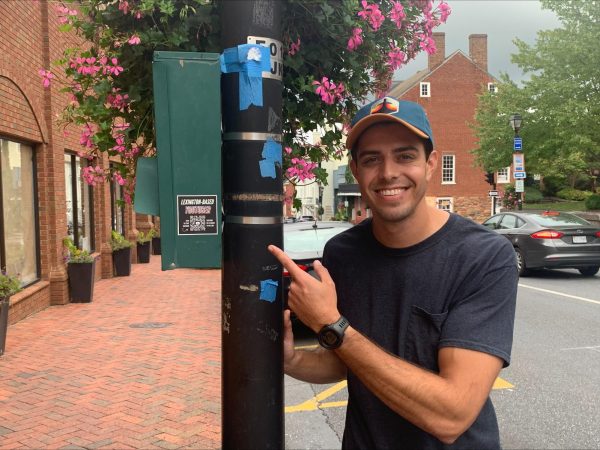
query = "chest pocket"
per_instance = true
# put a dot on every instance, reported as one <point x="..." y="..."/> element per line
<point x="423" y="336"/>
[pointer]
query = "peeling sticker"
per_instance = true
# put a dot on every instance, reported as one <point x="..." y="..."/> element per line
<point x="268" y="290"/>
<point x="251" y="288"/>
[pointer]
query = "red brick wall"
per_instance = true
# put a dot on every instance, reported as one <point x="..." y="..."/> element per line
<point x="455" y="86"/>
<point x="30" y="41"/>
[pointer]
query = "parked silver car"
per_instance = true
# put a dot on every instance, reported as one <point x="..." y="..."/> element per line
<point x="550" y="239"/>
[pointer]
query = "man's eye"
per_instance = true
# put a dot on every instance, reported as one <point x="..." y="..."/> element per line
<point x="369" y="160"/>
<point x="406" y="157"/>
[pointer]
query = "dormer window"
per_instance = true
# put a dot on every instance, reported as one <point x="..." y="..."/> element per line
<point x="425" y="89"/>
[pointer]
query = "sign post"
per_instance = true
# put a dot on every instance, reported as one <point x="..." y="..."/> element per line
<point x="519" y="169"/>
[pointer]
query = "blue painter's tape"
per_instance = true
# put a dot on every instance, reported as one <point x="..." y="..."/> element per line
<point x="268" y="290"/>
<point x="272" y="156"/>
<point x="250" y="61"/>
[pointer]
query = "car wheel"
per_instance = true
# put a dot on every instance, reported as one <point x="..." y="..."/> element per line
<point x="523" y="270"/>
<point x="589" y="271"/>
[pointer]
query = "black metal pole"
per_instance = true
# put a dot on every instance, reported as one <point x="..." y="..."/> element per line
<point x="252" y="350"/>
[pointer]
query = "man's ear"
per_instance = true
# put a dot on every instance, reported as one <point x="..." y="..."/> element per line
<point x="354" y="169"/>
<point x="432" y="163"/>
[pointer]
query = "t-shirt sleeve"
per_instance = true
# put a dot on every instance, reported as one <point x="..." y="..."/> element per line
<point x="483" y="319"/>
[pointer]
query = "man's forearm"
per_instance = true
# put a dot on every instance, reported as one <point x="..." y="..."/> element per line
<point x="444" y="406"/>
<point x="317" y="366"/>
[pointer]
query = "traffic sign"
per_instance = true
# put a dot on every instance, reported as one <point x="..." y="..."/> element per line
<point x="492" y="193"/>
<point x="520" y="175"/>
<point x="519" y="185"/>
<point x="518" y="144"/>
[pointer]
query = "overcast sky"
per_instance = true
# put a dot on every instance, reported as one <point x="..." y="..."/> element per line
<point x="501" y="20"/>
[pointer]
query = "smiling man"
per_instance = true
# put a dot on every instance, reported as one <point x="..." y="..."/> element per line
<point x="415" y="307"/>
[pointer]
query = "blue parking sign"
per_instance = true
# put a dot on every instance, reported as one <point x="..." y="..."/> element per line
<point x="518" y="144"/>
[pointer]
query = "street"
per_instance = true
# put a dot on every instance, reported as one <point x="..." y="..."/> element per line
<point x="547" y="398"/>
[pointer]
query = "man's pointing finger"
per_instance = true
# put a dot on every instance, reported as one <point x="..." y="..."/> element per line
<point x="285" y="260"/>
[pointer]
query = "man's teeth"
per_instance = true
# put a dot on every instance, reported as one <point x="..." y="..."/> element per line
<point x="392" y="191"/>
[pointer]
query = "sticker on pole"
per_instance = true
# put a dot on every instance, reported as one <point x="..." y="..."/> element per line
<point x="518" y="144"/>
<point x="197" y="214"/>
<point x="276" y="49"/>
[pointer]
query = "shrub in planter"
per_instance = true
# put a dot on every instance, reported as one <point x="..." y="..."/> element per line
<point x="121" y="248"/>
<point x="143" y="246"/>
<point x="156" y="250"/>
<point x="9" y="285"/>
<point x="81" y="269"/>
<point x="592" y="202"/>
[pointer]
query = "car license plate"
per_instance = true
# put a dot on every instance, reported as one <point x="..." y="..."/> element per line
<point x="579" y="239"/>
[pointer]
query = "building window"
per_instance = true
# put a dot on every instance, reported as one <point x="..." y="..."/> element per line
<point x="503" y="175"/>
<point x="448" y="169"/>
<point x="445" y="204"/>
<point x="117" y="210"/>
<point x="18" y="225"/>
<point x="425" y="89"/>
<point x="79" y="199"/>
<point x="492" y="88"/>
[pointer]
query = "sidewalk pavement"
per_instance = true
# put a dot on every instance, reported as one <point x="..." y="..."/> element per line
<point x="139" y="367"/>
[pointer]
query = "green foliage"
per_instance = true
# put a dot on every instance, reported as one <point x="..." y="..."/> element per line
<point x="533" y="194"/>
<point x="9" y="285"/>
<point x="592" y="202"/>
<point x="322" y="30"/>
<point x="560" y="103"/>
<point x="143" y="238"/>
<point x="553" y="184"/>
<point x="75" y="255"/>
<point x="509" y="198"/>
<point x="573" y="194"/>
<point x="341" y="214"/>
<point x="118" y="241"/>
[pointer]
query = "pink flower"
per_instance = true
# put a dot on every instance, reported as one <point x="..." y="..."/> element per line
<point x="86" y="138"/>
<point x="445" y="11"/>
<point x="46" y="77"/>
<point x="397" y="14"/>
<point x="294" y="47"/>
<point x="65" y="13"/>
<point x="428" y="44"/>
<point x="301" y="169"/>
<point x="288" y="150"/>
<point x="138" y="15"/>
<point x="372" y="14"/>
<point x="93" y="175"/>
<point x="396" y="58"/>
<point x="134" y="40"/>
<point x="328" y="90"/>
<point x="118" y="178"/>
<point x="356" y="39"/>
<point x="124" y="6"/>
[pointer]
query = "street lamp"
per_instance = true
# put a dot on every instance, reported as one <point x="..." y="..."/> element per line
<point x="515" y="123"/>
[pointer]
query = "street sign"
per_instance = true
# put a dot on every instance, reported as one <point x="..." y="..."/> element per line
<point x="519" y="175"/>
<point x="518" y="144"/>
<point x="492" y="193"/>
<point x="519" y="185"/>
<point x="519" y="162"/>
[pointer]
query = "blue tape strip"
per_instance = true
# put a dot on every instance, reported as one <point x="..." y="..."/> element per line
<point x="268" y="290"/>
<point x="250" y="61"/>
<point x="272" y="156"/>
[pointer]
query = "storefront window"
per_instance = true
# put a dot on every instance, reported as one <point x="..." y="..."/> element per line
<point x="117" y="211"/>
<point x="79" y="204"/>
<point x="19" y="246"/>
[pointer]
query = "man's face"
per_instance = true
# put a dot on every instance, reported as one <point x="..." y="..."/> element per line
<point x="392" y="171"/>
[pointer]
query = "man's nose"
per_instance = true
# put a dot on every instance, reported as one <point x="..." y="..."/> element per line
<point x="389" y="169"/>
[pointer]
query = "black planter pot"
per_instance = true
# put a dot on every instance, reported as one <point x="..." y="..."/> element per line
<point x="122" y="262"/>
<point x="81" y="281"/>
<point x="143" y="252"/>
<point x="4" y="305"/>
<point x="156" y="246"/>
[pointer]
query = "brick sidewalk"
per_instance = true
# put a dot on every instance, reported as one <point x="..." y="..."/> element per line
<point x="139" y="367"/>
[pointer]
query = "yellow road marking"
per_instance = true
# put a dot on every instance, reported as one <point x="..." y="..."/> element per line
<point x="317" y="401"/>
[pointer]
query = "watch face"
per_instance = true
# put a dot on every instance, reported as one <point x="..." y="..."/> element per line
<point x="330" y="338"/>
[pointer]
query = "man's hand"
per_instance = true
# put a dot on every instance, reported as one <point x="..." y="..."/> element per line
<point x="313" y="301"/>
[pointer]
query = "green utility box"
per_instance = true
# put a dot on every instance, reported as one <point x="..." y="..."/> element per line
<point x="187" y="107"/>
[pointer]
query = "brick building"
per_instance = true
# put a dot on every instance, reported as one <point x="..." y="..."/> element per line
<point x="448" y="89"/>
<point x="43" y="196"/>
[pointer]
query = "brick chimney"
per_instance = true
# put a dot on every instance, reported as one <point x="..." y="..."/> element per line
<point x="478" y="50"/>
<point x="438" y="57"/>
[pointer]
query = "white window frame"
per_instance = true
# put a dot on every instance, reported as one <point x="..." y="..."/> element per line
<point x="503" y="176"/>
<point x="425" y="89"/>
<point x="450" y="168"/>
<point x="439" y="203"/>
<point x="492" y="88"/>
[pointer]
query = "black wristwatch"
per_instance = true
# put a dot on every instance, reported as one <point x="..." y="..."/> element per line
<point x="331" y="336"/>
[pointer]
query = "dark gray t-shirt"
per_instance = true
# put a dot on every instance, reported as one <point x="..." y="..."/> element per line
<point x="457" y="288"/>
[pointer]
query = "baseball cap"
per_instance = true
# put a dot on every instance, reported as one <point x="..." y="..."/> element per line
<point x="388" y="109"/>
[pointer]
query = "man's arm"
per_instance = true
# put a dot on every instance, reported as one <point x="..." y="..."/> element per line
<point x="443" y="404"/>
<point x="319" y="366"/>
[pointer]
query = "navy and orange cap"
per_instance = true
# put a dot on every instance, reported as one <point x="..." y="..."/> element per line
<point x="388" y="109"/>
